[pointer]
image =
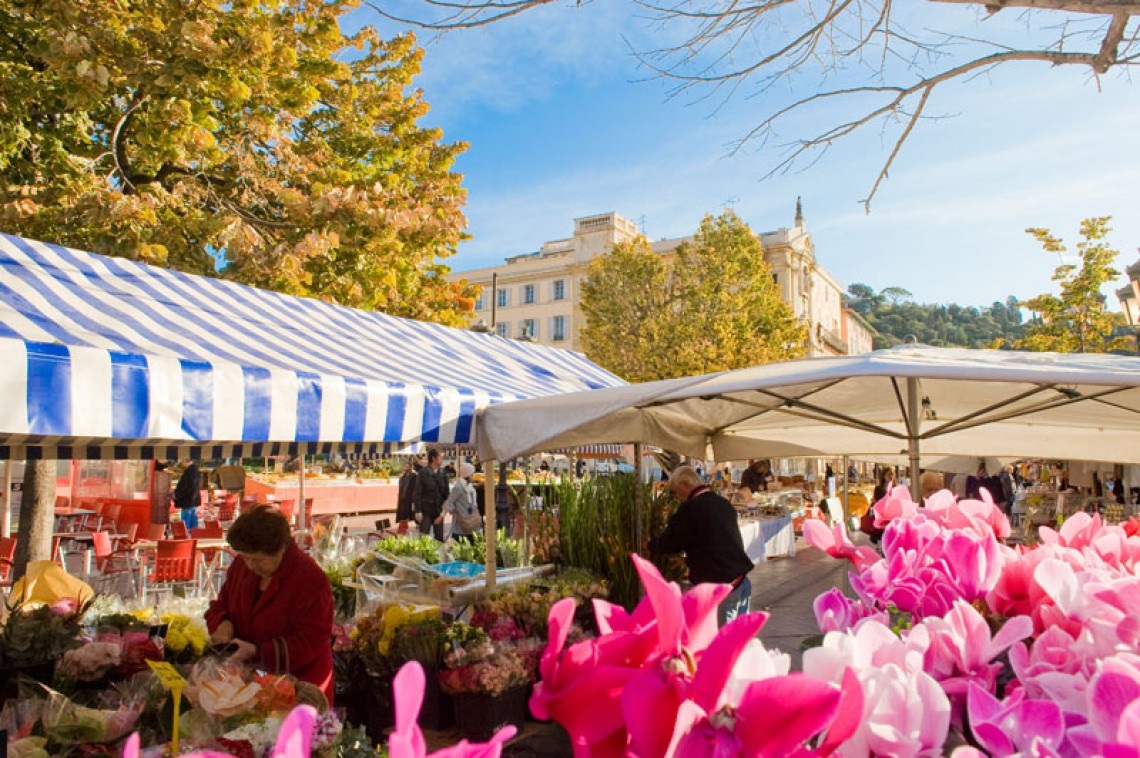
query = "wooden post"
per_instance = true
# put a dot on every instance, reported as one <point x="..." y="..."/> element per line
<point x="490" y="520"/>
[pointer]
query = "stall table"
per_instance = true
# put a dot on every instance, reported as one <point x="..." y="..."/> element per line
<point x="768" y="537"/>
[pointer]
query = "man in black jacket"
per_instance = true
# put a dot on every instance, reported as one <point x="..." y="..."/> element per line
<point x="405" y="499"/>
<point x="186" y="493"/>
<point x="431" y="490"/>
<point x="706" y="530"/>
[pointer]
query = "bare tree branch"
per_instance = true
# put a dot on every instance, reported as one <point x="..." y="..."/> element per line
<point x="1096" y="7"/>
<point x="726" y="45"/>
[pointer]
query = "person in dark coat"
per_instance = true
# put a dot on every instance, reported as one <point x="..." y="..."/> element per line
<point x="406" y="499"/>
<point x="706" y="530"/>
<point x="430" y="492"/>
<point x="186" y="494"/>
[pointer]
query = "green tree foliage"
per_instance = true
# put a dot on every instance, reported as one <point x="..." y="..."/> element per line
<point x="896" y="320"/>
<point x="1077" y="320"/>
<point x="714" y="306"/>
<point x="254" y="135"/>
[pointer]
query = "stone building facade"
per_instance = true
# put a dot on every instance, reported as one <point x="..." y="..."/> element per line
<point x="536" y="294"/>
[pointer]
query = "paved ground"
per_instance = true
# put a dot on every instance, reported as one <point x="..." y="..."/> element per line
<point x="784" y="587"/>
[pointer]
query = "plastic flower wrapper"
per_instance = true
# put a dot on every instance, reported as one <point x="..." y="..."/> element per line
<point x="28" y="747"/>
<point x="91" y="662"/>
<point x="221" y="688"/>
<point x="19" y="715"/>
<point x="67" y="723"/>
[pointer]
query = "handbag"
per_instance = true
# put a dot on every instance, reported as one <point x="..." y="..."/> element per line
<point x="469" y="519"/>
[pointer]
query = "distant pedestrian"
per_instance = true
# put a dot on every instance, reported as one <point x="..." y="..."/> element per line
<point x="187" y="495"/>
<point x="406" y="497"/>
<point x="430" y="492"/>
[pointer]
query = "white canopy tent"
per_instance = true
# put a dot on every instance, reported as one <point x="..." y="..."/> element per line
<point x="912" y="400"/>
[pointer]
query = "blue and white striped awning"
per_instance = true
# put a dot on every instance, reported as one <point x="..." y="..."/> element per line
<point x="108" y="356"/>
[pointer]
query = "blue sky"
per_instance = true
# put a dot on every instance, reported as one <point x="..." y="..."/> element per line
<point x="563" y="123"/>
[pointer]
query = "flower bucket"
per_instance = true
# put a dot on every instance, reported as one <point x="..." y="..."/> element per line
<point x="478" y="717"/>
<point x="437" y="712"/>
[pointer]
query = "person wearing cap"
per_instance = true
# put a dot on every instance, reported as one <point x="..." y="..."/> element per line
<point x="463" y="506"/>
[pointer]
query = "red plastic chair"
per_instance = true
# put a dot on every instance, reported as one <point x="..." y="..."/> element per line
<point x="112" y="562"/>
<point x="175" y="566"/>
<point x="156" y="532"/>
<point x="179" y="531"/>
<point x="286" y="507"/>
<point x="7" y="560"/>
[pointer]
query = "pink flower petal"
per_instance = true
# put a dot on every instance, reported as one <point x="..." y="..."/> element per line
<point x="720" y="657"/>
<point x="778" y="715"/>
<point x="406" y="739"/>
<point x="296" y="735"/>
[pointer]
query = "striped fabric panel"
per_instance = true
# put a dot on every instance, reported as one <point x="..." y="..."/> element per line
<point x="121" y="358"/>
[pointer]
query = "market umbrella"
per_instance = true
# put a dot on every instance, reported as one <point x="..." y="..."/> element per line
<point x="912" y="400"/>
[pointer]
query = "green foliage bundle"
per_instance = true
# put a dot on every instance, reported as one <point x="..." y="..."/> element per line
<point x="508" y="550"/>
<point x="254" y="135"/>
<point x="597" y="520"/>
<point x="423" y="547"/>
<point x="35" y="634"/>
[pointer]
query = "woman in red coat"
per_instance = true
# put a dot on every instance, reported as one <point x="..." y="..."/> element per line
<point x="276" y="603"/>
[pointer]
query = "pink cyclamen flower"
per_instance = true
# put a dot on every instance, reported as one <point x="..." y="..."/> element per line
<point x="407" y="740"/>
<point x="834" y="542"/>
<point x="895" y="505"/>
<point x="1014" y="724"/>
<point x="962" y="650"/>
<point x="835" y="612"/>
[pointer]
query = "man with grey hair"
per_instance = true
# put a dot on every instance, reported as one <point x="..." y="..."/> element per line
<point x="705" y="529"/>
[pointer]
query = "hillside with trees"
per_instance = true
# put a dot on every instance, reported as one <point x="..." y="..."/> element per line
<point x="896" y="318"/>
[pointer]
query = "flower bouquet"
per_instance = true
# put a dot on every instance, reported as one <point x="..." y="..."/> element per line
<point x="489" y="692"/>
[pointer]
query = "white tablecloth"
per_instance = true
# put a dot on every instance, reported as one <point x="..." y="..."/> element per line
<point x="768" y="537"/>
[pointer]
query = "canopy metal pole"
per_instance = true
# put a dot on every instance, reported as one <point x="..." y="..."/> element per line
<point x="846" y="489"/>
<point x="300" y="509"/>
<point x="489" y="520"/>
<point x="914" y="413"/>
<point x="6" y="502"/>
<point x="638" y="495"/>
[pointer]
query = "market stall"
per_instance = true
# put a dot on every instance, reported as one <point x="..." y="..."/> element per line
<point x="912" y="400"/>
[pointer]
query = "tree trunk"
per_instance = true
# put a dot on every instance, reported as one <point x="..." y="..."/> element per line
<point x="37" y="516"/>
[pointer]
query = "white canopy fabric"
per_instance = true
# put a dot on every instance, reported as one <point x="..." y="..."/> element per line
<point x="107" y="358"/>
<point x="908" y="400"/>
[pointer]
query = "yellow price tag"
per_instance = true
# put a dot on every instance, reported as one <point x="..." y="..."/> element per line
<point x="174" y="682"/>
<point x="167" y="674"/>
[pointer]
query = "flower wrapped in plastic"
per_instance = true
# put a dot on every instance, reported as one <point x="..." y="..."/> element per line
<point x="68" y="723"/>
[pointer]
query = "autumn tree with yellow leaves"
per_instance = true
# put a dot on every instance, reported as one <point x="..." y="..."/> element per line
<point x="712" y="306"/>
<point x="250" y="140"/>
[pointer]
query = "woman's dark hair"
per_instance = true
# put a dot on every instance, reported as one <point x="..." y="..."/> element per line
<point x="260" y="530"/>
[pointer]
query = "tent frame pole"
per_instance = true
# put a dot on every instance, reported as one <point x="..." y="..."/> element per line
<point x="6" y="502"/>
<point x="490" y="520"/>
<point x="299" y="511"/>
<point x="914" y="425"/>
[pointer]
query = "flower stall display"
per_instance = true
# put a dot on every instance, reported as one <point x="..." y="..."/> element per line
<point x="999" y="649"/>
<point x="35" y="636"/>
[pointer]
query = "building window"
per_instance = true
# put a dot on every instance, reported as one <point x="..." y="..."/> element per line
<point x="504" y="297"/>
<point x="528" y="294"/>
<point x="479" y="302"/>
<point x="558" y="328"/>
<point x="529" y="328"/>
<point x="502" y="329"/>
<point x="559" y="290"/>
